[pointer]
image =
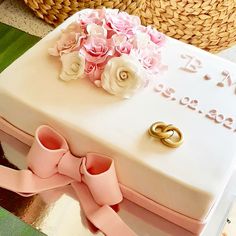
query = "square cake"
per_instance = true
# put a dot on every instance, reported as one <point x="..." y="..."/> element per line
<point x="196" y="93"/>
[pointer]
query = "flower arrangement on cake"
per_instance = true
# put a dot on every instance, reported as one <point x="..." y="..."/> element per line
<point x="110" y="48"/>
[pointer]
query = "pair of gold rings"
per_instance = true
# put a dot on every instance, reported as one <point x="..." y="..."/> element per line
<point x="169" y="135"/>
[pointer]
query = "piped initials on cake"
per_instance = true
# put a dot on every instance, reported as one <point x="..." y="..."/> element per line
<point x="193" y="65"/>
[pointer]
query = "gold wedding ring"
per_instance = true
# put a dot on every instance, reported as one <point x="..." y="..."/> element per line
<point x="156" y="131"/>
<point x="168" y="134"/>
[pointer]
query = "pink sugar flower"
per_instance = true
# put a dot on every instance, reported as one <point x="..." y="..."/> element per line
<point x="93" y="71"/>
<point x="122" y="44"/>
<point x="97" y="50"/>
<point x="124" y="48"/>
<point x="156" y="37"/>
<point x="69" y="42"/>
<point x="150" y="59"/>
<point x="111" y="49"/>
<point x="121" y="23"/>
<point x="89" y="16"/>
<point x="73" y="27"/>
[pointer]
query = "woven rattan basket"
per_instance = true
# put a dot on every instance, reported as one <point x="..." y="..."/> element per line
<point x="208" y="24"/>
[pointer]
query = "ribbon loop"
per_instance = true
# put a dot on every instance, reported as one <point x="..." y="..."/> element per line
<point x="46" y="151"/>
<point x="100" y="177"/>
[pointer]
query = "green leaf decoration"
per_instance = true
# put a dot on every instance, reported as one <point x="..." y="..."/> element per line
<point x="10" y="225"/>
<point x="13" y="43"/>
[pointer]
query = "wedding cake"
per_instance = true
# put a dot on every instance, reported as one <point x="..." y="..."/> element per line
<point x="102" y="85"/>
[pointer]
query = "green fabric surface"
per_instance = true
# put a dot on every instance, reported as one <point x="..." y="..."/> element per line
<point x="10" y="225"/>
<point x="13" y="43"/>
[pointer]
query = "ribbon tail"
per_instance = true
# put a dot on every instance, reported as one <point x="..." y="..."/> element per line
<point x="102" y="217"/>
<point x="26" y="183"/>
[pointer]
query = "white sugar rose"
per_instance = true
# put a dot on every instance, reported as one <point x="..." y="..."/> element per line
<point x="73" y="65"/>
<point x="122" y="76"/>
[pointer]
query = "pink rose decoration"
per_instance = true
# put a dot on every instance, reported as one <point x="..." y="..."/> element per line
<point x="73" y="27"/>
<point x="89" y="16"/>
<point x="121" y="23"/>
<point x="68" y="42"/>
<point x="122" y="44"/>
<point x="150" y="59"/>
<point x="156" y="37"/>
<point x="111" y="49"/>
<point x="93" y="71"/>
<point x="124" y="48"/>
<point x="97" y="50"/>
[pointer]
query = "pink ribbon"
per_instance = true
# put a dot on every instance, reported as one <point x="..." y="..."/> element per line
<point x="52" y="165"/>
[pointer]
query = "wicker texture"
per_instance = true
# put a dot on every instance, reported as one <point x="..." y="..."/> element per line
<point x="56" y="11"/>
<point x="208" y="24"/>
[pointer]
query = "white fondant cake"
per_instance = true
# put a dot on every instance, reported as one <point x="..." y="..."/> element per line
<point x="196" y="94"/>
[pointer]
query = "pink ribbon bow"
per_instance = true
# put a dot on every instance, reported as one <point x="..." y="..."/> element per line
<point x="52" y="165"/>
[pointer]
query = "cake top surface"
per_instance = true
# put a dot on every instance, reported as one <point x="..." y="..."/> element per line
<point x="197" y="93"/>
